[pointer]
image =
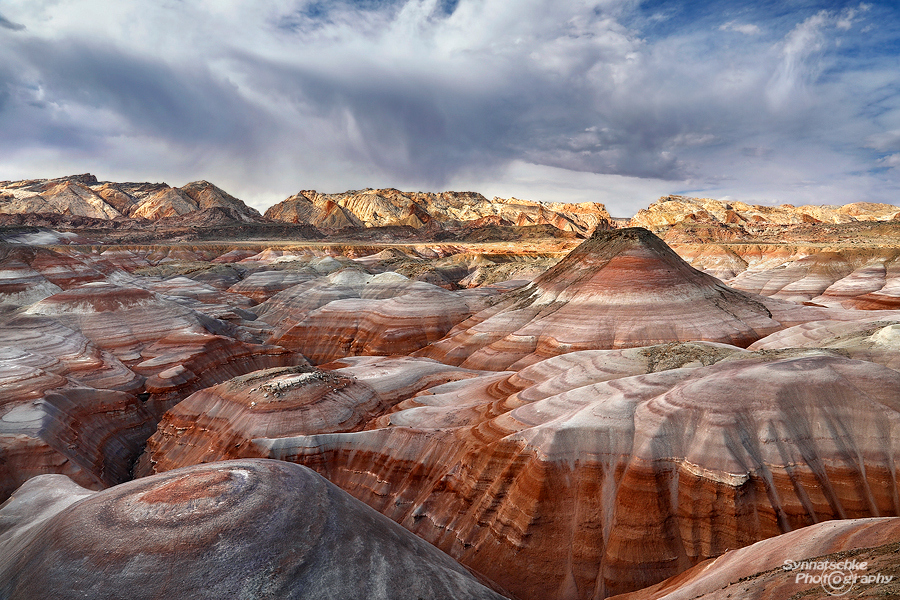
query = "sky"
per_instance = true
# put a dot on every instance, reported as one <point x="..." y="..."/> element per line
<point x="614" y="101"/>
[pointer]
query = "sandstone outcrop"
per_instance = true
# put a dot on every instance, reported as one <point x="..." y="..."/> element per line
<point x="238" y="529"/>
<point x="370" y="327"/>
<point x="670" y="210"/>
<point x="83" y="195"/>
<point x="390" y="207"/>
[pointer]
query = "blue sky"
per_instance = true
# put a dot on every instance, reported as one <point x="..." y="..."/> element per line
<point x="618" y="101"/>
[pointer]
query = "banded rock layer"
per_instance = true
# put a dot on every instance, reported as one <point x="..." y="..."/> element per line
<point x="773" y="569"/>
<point x="50" y="424"/>
<point x="352" y="313"/>
<point x="580" y="478"/>
<point x="622" y="288"/>
<point x="225" y="421"/>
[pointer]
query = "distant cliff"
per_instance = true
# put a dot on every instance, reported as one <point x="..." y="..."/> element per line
<point x="670" y="210"/>
<point x="84" y="196"/>
<point x="435" y="211"/>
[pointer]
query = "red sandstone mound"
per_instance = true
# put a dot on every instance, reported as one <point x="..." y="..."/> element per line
<point x="774" y="569"/>
<point x="351" y="313"/>
<point x="221" y="422"/>
<point x="239" y="529"/>
<point x="582" y="480"/>
<point x="622" y="288"/>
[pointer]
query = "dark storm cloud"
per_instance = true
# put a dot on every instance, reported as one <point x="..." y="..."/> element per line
<point x="765" y="96"/>
<point x="78" y="94"/>
<point x="7" y="24"/>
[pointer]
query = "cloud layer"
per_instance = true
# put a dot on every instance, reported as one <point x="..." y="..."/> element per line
<point x="617" y="100"/>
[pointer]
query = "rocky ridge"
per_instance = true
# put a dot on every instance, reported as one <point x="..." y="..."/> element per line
<point x="85" y="196"/>
<point x="673" y="209"/>
<point x="436" y="211"/>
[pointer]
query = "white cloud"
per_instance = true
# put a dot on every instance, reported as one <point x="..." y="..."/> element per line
<point x="884" y="141"/>
<point x="269" y="97"/>
<point x="745" y="28"/>
<point x="892" y="160"/>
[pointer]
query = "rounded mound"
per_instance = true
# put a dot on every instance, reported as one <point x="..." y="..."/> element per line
<point x="237" y="529"/>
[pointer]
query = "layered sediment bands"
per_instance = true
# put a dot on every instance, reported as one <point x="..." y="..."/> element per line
<point x="769" y="569"/>
<point x="252" y="528"/>
<point x="50" y="425"/>
<point x="717" y="260"/>
<point x="129" y="338"/>
<point x="223" y="421"/>
<point x="47" y="344"/>
<point x="873" y="287"/>
<point x="195" y="295"/>
<point x="262" y="285"/>
<point x="577" y="369"/>
<point x="397" y="378"/>
<point x="874" y="340"/>
<point x="31" y="274"/>
<point x="566" y="481"/>
<point x="620" y="289"/>
<point x="398" y="325"/>
<point x="640" y="478"/>
<point x="865" y="278"/>
<point x="798" y="281"/>
<point x="294" y="303"/>
<point x="119" y="319"/>
<point x="219" y="422"/>
<point x="21" y="285"/>
<point x="353" y="313"/>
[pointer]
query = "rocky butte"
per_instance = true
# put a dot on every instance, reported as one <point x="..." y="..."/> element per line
<point x="394" y="394"/>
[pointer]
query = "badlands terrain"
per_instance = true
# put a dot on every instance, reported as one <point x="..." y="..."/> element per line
<point x="387" y="394"/>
